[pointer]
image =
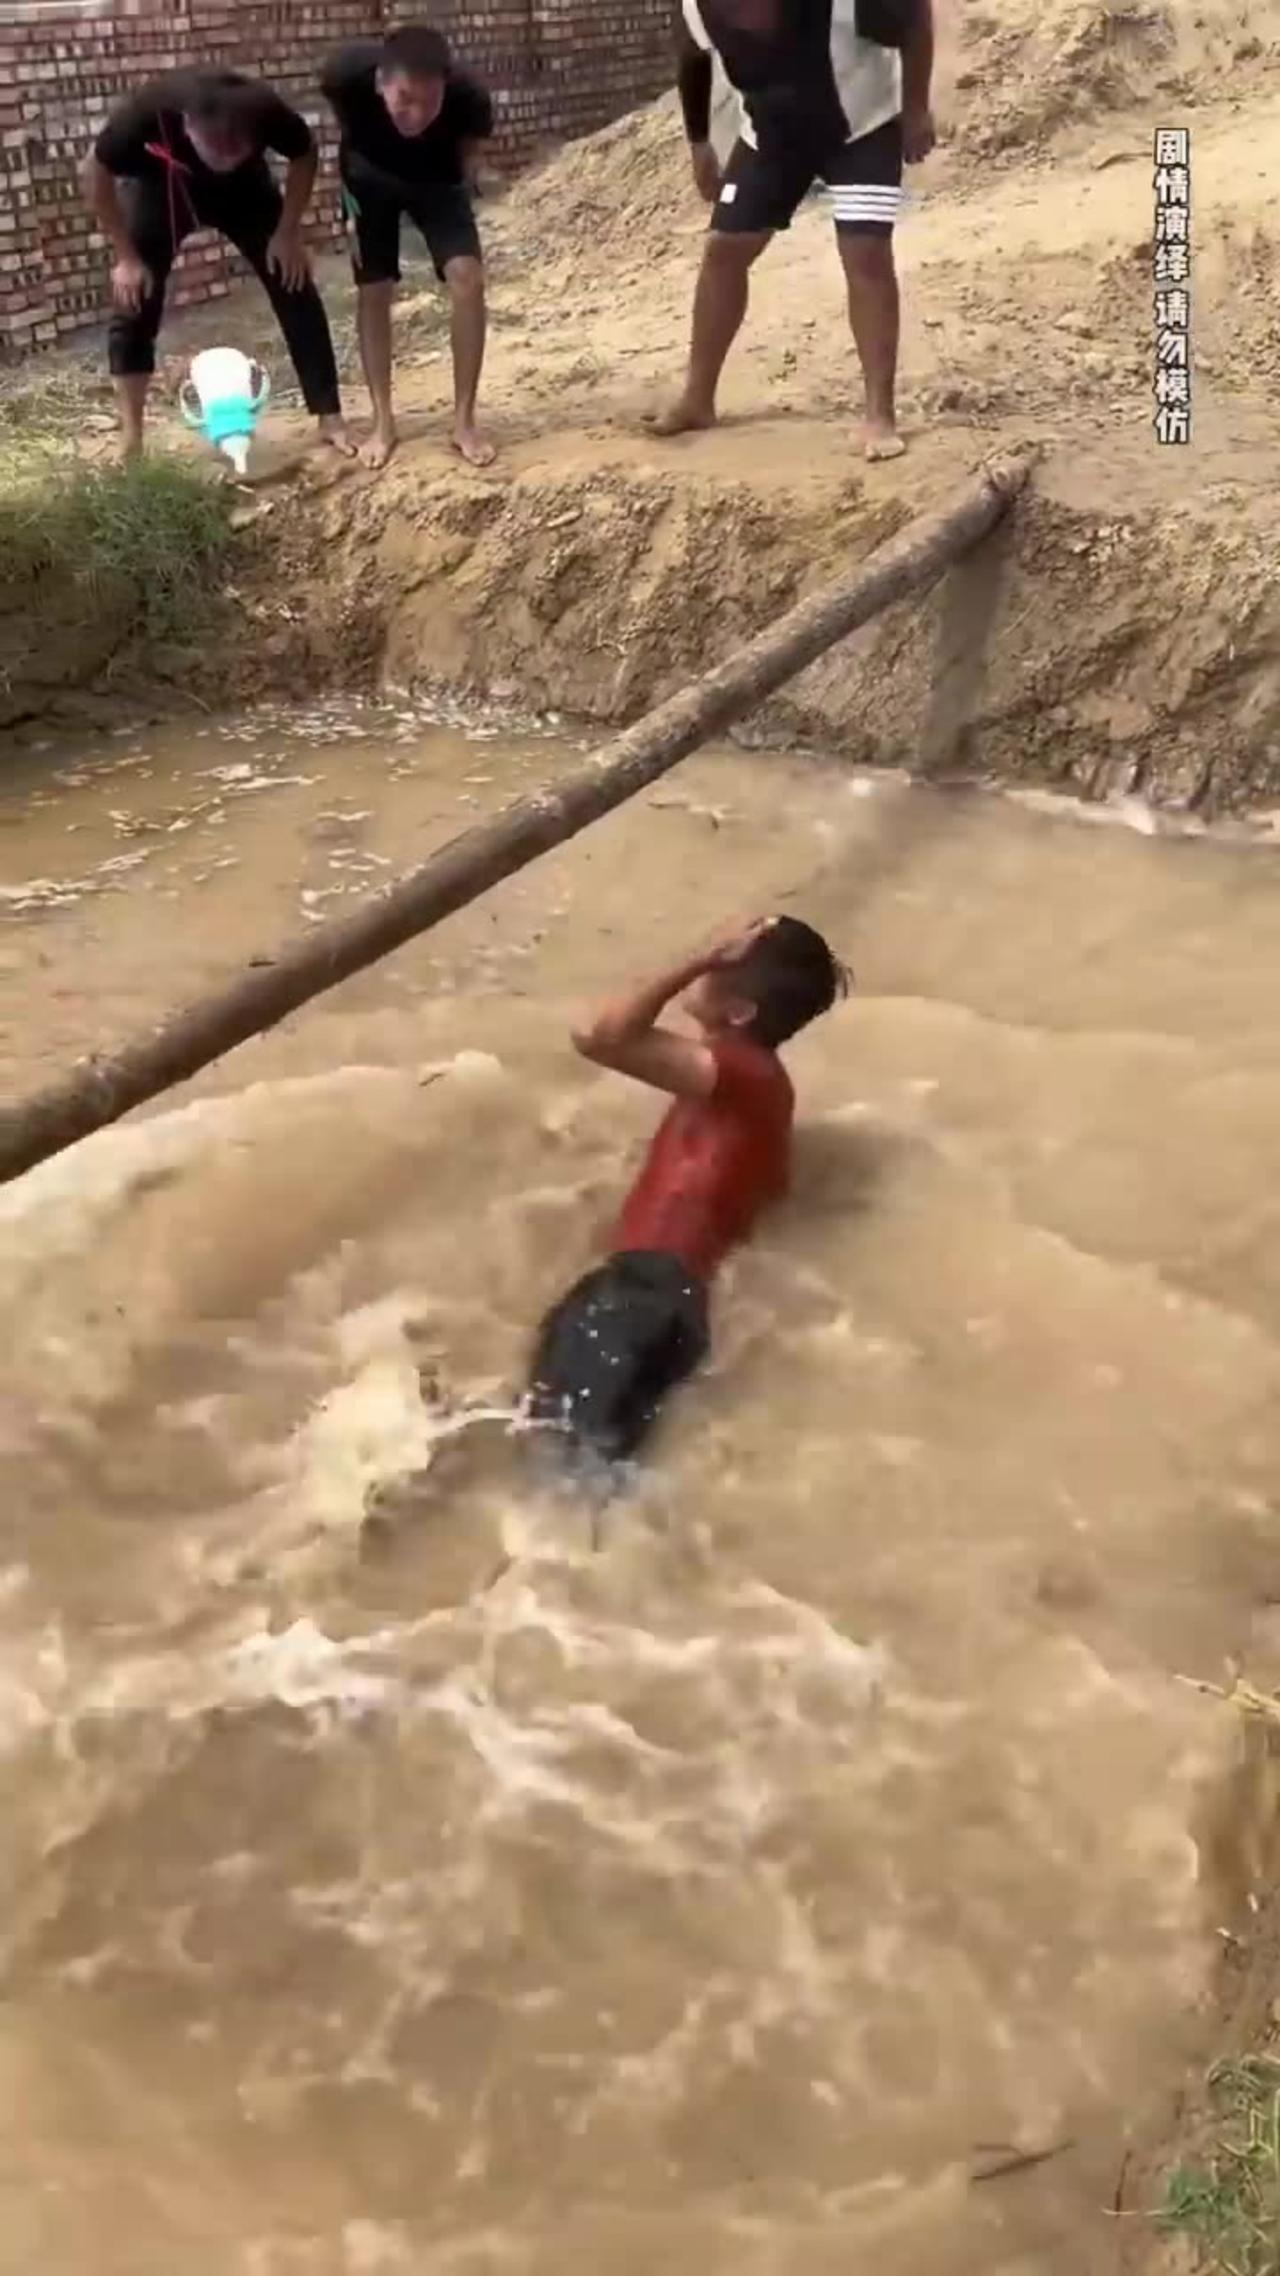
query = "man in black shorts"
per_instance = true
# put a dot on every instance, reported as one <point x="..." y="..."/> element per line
<point x="820" y="100"/>
<point x="185" y="153"/>
<point x="410" y="123"/>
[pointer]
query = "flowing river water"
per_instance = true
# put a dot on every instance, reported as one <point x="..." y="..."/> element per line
<point x="402" y="1872"/>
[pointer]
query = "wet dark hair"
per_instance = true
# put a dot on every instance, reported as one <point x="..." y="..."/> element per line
<point x="791" y="977"/>
<point x="416" y="51"/>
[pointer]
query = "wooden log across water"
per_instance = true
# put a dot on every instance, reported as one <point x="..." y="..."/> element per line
<point x="102" y="1089"/>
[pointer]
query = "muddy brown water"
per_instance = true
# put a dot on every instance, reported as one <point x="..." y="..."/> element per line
<point x="482" y="1896"/>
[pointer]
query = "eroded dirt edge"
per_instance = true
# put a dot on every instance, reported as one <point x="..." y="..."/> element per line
<point x="1098" y="652"/>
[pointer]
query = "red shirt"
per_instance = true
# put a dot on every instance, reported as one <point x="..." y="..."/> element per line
<point x="715" y="1162"/>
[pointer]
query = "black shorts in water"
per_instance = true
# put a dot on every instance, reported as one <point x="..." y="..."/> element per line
<point x="611" y="1349"/>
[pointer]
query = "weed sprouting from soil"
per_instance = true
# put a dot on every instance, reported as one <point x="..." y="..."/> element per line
<point x="1228" y="2206"/>
<point x="146" y="539"/>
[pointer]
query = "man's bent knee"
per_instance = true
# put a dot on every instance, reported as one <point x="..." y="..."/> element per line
<point x="130" y="355"/>
<point x="464" y="276"/>
<point x="727" y="252"/>
<point x="866" y="253"/>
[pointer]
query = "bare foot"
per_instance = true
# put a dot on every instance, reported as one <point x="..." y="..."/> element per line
<point x="379" y="447"/>
<point x="332" y="429"/>
<point x="682" y="419"/>
<point x="883" y="441"/>
<point x="472" y="445"/>
<point x="130" y="448"/>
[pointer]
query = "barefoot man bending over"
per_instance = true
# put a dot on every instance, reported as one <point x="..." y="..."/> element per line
<point x="410" y="123"/>
<point x="187" y="152"/>
<point x="821" y="101"/>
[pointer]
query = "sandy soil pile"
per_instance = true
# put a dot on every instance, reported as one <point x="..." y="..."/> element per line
<point x="620" y="193"/>
<point x="1022" y="75"/>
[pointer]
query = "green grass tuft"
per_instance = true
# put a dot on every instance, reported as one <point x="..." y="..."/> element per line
<point x="1228" y="2208"/>
<point x="145" y="541"/>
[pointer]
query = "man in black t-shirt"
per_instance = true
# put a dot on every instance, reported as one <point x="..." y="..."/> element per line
<point x="409" y="124"/>
<point x="188" y="152"/>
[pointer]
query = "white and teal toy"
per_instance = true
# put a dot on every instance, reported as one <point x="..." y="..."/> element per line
<point x="224" y="395"/>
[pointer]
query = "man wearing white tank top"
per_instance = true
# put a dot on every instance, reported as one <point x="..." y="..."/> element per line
<point x="828" y="91"/>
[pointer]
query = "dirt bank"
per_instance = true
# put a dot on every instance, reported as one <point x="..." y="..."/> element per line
<point x="1087" y="649"/>
<point x="1126" y="634"/>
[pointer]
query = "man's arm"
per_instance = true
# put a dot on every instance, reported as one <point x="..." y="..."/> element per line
<point x="119" y="146"/>
<point x="299" y="182"/>
<point x="693" y="80"/>
<point x="475" y="126"/>
<point x="286" y="253"/>
<point x="287" y="133"/>
<point x="917" y="79"/>
<point x="470" y="158"/>
<point x="623" y="1034"/>
<point x="103" y="200"/>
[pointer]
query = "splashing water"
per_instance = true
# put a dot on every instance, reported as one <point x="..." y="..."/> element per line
<point x="403" y="1869"/>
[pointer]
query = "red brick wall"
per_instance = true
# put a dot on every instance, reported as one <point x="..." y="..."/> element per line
<point x="555" y="67"/>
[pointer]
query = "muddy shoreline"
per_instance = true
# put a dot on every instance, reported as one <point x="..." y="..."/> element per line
<point x="1049" y="658"/>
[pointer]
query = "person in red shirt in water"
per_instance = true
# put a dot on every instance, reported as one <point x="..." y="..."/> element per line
<point x="638" y="1324"/>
